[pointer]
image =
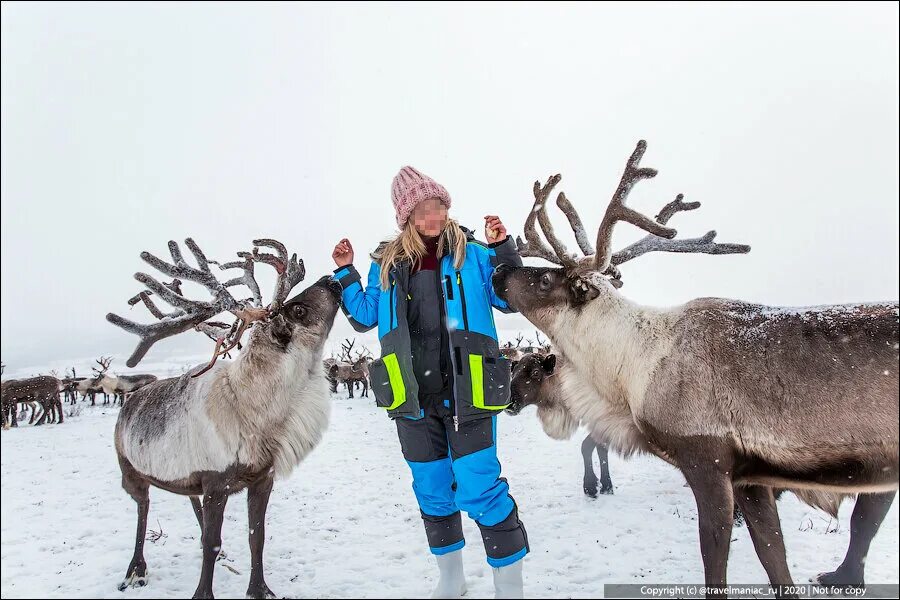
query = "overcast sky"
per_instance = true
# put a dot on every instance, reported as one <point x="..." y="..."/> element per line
<point x="124" y="126"/>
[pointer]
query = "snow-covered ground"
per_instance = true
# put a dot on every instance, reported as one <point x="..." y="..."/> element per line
<point x="345" y="524"/>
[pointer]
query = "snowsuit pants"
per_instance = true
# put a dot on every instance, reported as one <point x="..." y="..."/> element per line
<point x="459" y="470"/>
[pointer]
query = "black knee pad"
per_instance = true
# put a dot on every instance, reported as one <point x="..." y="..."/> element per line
<point x="506" y="537"/>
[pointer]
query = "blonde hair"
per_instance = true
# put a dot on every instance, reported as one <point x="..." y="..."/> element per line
<point x="408" y="245"/>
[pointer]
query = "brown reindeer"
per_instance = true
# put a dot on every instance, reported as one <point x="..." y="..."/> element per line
<point x="226" y="426"/>
<point x="42" y="390"/>
<point x="742" y="398"/>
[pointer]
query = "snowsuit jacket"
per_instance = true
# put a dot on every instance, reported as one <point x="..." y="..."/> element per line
<point x="479" y="381"/>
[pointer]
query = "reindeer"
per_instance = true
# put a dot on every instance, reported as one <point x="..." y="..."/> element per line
<point x="742" y="398"/>
<point x="226" y="426"/>
<point x="535" y="382"/>
<point x="118" y="386"/>
<point x="42" y="390"/>
<point x="92" y="386"/>
<point x="512" y="353"/>
<point x="70" y="386"/>
<point x="350" y="371"/>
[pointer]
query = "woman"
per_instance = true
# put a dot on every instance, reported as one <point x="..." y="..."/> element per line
<point x="440" y="375"/>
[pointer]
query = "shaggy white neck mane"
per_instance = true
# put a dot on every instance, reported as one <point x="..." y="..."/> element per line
<point x="282" y="405"/>
<point x="626" y="345"/>
<point x="604" y="377"/>
<point x="267" y="409"/>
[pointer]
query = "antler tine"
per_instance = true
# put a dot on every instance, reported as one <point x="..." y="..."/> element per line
<point x="617" y="211"/>
<point x="150" y="333"/>
<point x="652" y="243"/>
<point x="700" y="245"/>
<point x="248" y="279"/>
<point x="290" y="271"/>
<point x="675" y="206"/>
<point x="534" y="246"/>
<point x="151" y="306"/>
<point x="575" y="222"/>
<point x="202" y="275"/>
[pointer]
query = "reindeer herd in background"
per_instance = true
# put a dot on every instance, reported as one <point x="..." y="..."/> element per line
<point x="43" y="392"/>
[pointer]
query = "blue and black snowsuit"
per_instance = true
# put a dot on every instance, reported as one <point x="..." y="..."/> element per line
<point x="443" y="381"/>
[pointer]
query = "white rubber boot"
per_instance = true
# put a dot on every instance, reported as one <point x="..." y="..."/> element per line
<point x="508" y="581"/>
<point x="452" y="583"/>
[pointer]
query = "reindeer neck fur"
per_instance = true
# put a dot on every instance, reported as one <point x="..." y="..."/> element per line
<point x="265" y="410"/>
<point x="278" y="401"/>
<point x="628" y="342"/>
<point x="609" y="422"/>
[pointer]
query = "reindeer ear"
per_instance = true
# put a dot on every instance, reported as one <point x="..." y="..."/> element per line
<point x="582" y="291"/>
<point x="549" y="363"/>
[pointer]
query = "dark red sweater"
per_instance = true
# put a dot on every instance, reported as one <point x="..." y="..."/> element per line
<point x="430" y="260"/>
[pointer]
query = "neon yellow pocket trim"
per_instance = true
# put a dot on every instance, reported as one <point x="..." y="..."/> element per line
<point x="476" y="371"/>
<point x="396" y="379"/>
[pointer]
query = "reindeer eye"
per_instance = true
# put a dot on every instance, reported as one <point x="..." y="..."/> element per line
<point x="536" y="374"/>
<point x="546" y="280"/>
<point x="298" y="311"/>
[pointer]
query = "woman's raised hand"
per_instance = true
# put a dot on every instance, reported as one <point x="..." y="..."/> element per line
<point x="343" y="253"/>
<point x="494" y="230"/>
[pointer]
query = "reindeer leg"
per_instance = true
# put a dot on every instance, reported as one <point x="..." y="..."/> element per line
<point x="868" y="514"/>
<point x="44" y="414"/>
<point x="139" y="490"/>
<point x="758" y="506"/>
<point x="198" y="512"/>
<point x="715" y="509"/>
<point x="606" y="485"/>
<point x="213" y="513"/>
<point x="590" y="478"/>
<point x="257" y="500"/>
<point x="59" y="407"/>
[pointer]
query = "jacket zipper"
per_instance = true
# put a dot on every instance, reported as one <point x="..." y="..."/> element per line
<point x="452" y="378"/>
<point x="391" y="306"/>
<point x="462" y="298"/>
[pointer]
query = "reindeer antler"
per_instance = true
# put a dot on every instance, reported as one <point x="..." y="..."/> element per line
<point x="347" y="346"/>
<point x="104" y="362"/>
<point x="659" y="238"/>
<point x="617" y="211"/>
<point x="291" y="271"/>
<point x="193" y="314"/>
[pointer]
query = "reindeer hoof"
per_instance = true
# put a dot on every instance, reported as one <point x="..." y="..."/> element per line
<point x="135" y="581"/>
<point x="260" y="591"/>
<point x="136" y="577"/>
<point x="841" y="579"/>
<point x="607" y="490"/>
<point x="590" y="490"/>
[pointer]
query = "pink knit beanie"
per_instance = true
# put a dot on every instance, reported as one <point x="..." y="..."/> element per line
<point x="411" y="187"/>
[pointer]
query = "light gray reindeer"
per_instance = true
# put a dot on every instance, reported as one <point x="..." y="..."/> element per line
<point x="239" y="424"/>
<point x="91" y="386"/>
<point x="742" y="398"/>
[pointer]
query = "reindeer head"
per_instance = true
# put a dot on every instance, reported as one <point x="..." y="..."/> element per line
<point x="304" y="320"/>
<point x="543" y="293"/>
<point x="527" y="379"/>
